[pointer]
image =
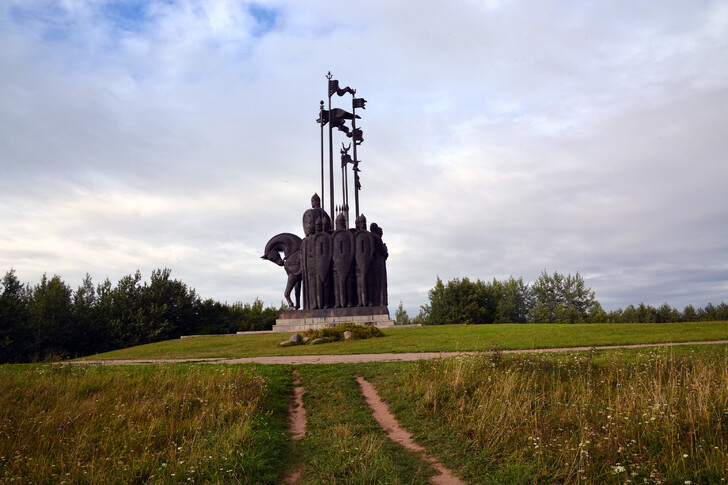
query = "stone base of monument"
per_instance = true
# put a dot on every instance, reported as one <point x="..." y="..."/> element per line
<point x="302" y="320"/>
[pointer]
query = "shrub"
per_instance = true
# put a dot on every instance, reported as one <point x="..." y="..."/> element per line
<point x="336" y="333"/>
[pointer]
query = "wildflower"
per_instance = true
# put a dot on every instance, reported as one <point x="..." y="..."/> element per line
<point x="685" y="456"/>
<point x="618" y="469"/>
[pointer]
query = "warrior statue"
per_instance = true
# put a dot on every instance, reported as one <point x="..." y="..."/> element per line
<point x="378" y="270"/>
<point x="343" y="263"/>
<point x="322" y="248"/>
<point x="363" y="250"/>
<point x="308" y="252"/>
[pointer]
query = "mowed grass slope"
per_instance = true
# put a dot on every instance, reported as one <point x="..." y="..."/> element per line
<point x="432" y="339"/>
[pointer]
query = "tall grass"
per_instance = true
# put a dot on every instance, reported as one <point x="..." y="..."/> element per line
<point x="158" y="424"/>
<point x="653" y="418"/>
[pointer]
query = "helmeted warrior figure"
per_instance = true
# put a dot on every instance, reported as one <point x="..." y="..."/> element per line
<point x="322" y="244"/>
<point x="310" y="216"/>
<point x="343" y="263"/>
<point x="378" y="270"/>
<point x="363" y="250"/>
<point x="308" y="260"/>
<point x="308" y="252"/>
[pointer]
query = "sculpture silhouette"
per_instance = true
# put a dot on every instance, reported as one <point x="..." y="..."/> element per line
<point x="290" y="245"/>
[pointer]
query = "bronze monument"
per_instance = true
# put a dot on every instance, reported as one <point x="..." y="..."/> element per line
<point x="341" y="270"/>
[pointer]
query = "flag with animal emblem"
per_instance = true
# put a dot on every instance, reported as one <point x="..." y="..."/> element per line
<point x="335" y="89"/>
<point x="359" y="103"/>
<point x="357" y="135"/>
<point x="337" y="117"/>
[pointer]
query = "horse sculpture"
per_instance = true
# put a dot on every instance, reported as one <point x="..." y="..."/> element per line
<point x="290" y="245"/>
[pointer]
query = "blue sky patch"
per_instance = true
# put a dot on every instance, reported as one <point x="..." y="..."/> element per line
<point x="265" y="19"/>
<point x="126" y="15"/>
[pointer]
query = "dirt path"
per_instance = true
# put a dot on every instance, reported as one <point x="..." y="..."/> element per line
<point x="356" y="358"/>
<point x="298" y="421"/>
<point x="296" y="410"/>
<point x="396" y="433"/>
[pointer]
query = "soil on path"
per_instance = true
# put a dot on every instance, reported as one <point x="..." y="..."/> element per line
<point x="396" y="433"/>
<point x="298" y="421"/>
<point x="357" y="358"/>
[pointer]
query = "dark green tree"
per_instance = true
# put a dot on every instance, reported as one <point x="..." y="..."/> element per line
<point x="597" y="313"/>
<point x="515" y="301"/>
<point x="14" y="337"/>
<point x="255" y="317"/>
<point x="400" y="316"/>
<point x="170" y="308"/>
<point x="461" y="301"/>
<point x="689" y="314"/>
<point x="87" y="331"/>
<point x="561" y="299"/>
<point x="721" y="312"/>
<point x="629" y="315"/>
<point x="646" y="313"/>
<point x="126" y="321"/>
<point x="665" y="313"/>
<point x="51" y="319"/>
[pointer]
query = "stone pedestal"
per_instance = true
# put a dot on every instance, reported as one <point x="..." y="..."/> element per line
<point x="302" y="320"/>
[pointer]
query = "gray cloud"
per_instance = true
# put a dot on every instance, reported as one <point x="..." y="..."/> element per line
<point x="500" y="140"/>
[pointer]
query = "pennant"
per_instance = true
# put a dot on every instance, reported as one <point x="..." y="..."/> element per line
<point x="345" y="157"/>
<point x="335" y="89"/>
<point x="337" y="117"/>
<point x="359" y="103"/>
<point x="357" y="135"/>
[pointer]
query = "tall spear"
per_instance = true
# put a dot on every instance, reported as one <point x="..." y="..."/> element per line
<point x="345" y="159"/>
<point x="329" y="76"/>
<point x="354" y="103"/>
<point x="321" y="117"/>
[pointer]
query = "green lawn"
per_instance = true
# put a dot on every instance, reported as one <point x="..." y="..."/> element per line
<point x="433" y="339"/>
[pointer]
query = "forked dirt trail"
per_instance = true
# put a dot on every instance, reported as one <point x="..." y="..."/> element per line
<point x="396" y="433"/>
<point x="298" y="420"/>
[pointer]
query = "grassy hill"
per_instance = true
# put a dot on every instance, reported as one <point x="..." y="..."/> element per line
<point x="432" y="339"/>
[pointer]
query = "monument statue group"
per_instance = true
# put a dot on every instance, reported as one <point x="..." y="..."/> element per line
<point x="337" y="273"/>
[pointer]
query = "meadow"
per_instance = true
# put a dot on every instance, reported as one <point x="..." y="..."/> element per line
<point x="151" y="424"/>
<point x="432" y="339"/>
<point x="621" y="416"/>
<point x="648" y="415"/>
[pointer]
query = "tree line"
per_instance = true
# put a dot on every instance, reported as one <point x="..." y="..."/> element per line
<point x="51" y="319"/>
<point x="552" y="298"/>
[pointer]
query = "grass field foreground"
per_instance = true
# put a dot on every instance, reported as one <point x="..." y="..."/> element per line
<point x="443" y="338"/>
<point x="343" y="443"/>
<point x="618" y="416"/>
<point x="155" y="424"/>
<point x="645" y="416"/>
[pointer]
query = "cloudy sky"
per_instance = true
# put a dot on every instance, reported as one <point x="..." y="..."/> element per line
<point x="501" y="138"/>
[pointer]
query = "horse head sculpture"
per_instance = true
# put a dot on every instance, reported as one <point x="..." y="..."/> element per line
<point x="290" y="245"/>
